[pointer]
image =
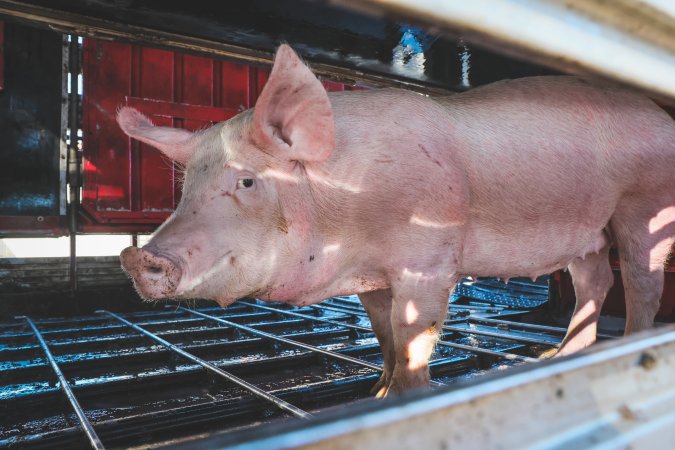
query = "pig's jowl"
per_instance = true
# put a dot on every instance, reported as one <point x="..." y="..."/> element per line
<point x="395" y="196"/>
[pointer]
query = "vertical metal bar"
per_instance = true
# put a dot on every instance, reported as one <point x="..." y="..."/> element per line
<point x="2" y="55"/>
<point x="65" y="117"/>
<point x="215" y="369"/>
<point x="73" y="155"/>
<point x="84" y="422"/>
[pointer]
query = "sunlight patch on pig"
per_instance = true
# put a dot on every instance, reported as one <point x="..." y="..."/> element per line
<point x="415" y="277"/>
<point x="656" y="254"/>
<point x="217" y="267"/>
<point x="279" y="175"/>
<point x="420" y="345"/>
<point x="416" y="220"/>
<point x="411" y="312"/>
<point x="332" y="183"/>
<point x="331" y="249"/>
<point x="582" y="316"/>
<point x="662" y="219"/>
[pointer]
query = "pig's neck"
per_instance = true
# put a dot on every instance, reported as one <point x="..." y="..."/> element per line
<point x="359" y="202"/>
<point x="325" y="241"/>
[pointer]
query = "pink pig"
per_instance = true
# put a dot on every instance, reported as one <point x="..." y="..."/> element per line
<point x="395" y="196"/>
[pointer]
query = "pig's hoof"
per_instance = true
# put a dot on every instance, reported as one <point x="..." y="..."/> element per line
<point x="382" y="393"/>
<point x="548" y="354"/>
<point x="393" y="389"/>
<point x="381" y="384"/>
<point x="573" y="347"/>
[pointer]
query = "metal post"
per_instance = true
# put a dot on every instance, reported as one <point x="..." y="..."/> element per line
<point x="73" y="155"/>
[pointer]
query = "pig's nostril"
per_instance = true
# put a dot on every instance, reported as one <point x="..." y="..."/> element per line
<point x="155" y="269"/>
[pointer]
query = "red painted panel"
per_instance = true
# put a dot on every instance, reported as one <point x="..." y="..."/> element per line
<point x="128" y="185"/>
<point x="2" y="56"/>
<point x="107" y="153"/>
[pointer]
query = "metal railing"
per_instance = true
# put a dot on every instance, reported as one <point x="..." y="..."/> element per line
<point x="297" y="412"/>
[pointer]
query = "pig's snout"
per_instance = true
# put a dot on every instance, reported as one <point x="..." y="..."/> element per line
<point x="155" y="276"/>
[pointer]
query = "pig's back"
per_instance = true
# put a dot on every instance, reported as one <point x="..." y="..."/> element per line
<point x="549" y="158"/>
<point x="552" y="139"/>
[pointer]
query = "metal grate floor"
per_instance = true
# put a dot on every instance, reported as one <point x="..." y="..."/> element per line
<point x="152" y="378"/>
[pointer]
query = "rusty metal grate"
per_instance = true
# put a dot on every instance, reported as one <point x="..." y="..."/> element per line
<point x="156" y="377"/>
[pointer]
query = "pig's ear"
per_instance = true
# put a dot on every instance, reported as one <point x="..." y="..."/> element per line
<point x="293" y="117"/>
<point x="170" y="141"/>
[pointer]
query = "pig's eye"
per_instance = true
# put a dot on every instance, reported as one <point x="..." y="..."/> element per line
<point x="244" y="183"/>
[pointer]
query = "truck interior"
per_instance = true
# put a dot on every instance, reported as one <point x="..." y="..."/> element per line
<point x="84" y="362"/>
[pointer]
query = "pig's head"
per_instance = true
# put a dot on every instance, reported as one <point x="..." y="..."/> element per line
<point x="244" y="211"/>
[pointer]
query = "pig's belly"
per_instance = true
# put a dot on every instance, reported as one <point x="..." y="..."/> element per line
<point x="530" y="252"/>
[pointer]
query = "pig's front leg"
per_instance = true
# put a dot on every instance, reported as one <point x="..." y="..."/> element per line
<point x="419" y="309"/>
<point x="378" y="307"/>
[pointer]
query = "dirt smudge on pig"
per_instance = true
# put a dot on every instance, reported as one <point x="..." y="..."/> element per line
<point x="428" y="155"/>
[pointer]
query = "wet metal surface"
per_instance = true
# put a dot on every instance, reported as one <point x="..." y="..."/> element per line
<point x="65" y="386"/>
<point x="151" y="387"/>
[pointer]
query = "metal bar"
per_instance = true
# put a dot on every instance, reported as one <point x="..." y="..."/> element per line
<point x="84" y="422"/>
<point x="2" y="56"/>
<point x="491" y="308"/>
<point x="452" y="306"/>
<point x="627" y="40"/>
<point x="168" y="326"/>
<point x="217" y="370"/>
<point x="500" y="336"/>
<point x="529" y="326"/>
<point x="287" y="341"/>
<point x="442" y="343"/>
<point x="485" y="351"/>
<point x="307" y="316"/>
<point x="520" y="325"/>
<point x="73" y="157"/>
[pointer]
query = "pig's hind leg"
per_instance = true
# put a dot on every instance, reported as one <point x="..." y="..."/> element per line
<point x="378" y="307"/>
<point x="592" y="277"/>
<point x="644" y="230"/>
